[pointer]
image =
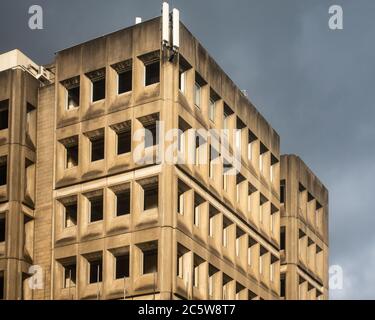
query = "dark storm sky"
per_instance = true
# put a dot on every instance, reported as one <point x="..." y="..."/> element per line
<point x="314" y="85"/>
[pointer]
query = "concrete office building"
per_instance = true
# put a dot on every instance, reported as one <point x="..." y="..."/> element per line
<point x="304" y="232"/>
<point x="81" y="219"/>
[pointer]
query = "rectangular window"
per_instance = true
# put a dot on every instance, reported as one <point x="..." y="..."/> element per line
<point x="282" y="238"/>
<point x="70" y="271"/>
<point x="2" y="227"/>
<point x="150" y="125"/>
<point x="124" y="142"/>
<point x="72" y="93"/>
<point x="152" y="73"/>
<point x="198" y="201"/>
<point x="212" y="110"/>
<point x="97" y="147"/>
<point x="3" y="171"/>
<point x="97" y="84"/>
<point x="150" y="261"/>
<point x="95" y="269"/>
<point x="150" y="193"/>
<point x="122" y="263"/>
<point x="184" y="67"/>
<point x="70" y="219"/>
<point x="124" y="76"/>
<point x="197" y="95"/>
<point x="71" y="151"/>
<point x="282" y="191"/>
<point x="96" y="208"/>
<point x="125" y="82"/>
<point x="4" y="114"/>
<point x="123" y="203"/>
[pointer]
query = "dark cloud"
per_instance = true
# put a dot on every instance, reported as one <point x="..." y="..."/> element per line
<point x="314" y="85"/>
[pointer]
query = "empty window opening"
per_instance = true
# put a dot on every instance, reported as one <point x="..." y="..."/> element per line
<point x="282" y="191"/>
<point x="282" y="238"/>
<point x="262" y="201"/>
<point x="226" y="224"/>
<point x="123" y="137"/>
<point x="151" y="63"/>
<point x="3" y="171"/>
<point x="70" y="211"/>
<point x="251" y="142"/>
<point x="150" y="193"/>
<point x="122" y="202"/>
<point x="198" y="202"/>
<point x="71" y="151"/>
<point x="226" y="283"/>
<point x="2" y="227"/>
<point x="211" y="220"/>
<point x="228" y="112"/>
<point x="263" y="151"/>
<point x="282" y="285"/>
<point x="212" y="105"/>
<point x="122" y="265"/>
<point x="4" y="114"/>
<point x="150" y="125"/>
<point x="181" y="253"/>
<point x="251" y="248"/>
<point x="95" y="268"/>
<point x="182" y="190"/>
<point x="183" y="128"/>
<point x="72" y="92"/>
<point x="274" y="162"/>
<point x="96" y="206"/>
<point x="124" y="76"/>
<point x="183" y="70"/>
<point x="273" y="217"/>
<point x="239" y="179"/>
<point x="273" y="267"/>
<point x="196" y="268"/>
<point x="250" y="195"/>
<point x="213" y="156"/>
<point x="149" y="257"/>
<point x="97" y="84"/>
<point x="239" y="289"/>
<point x="262" y="253"/>
<point x="96" y="144"/>
<point x="70" y="272"/>
<point x="239" y="234"/>
<point x="199" y="83"/>
<point x="252" y="295"/>
<point x="212" y="271"/>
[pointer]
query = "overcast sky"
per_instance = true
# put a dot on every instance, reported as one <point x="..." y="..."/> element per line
<point x="314" y="85"/>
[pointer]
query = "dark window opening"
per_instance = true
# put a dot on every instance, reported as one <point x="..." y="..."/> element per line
<point x="282" y="286"/>
<point x="123" y="203"/>
<point x="150" y="196"/>
<point x="70" y="215"/>
<point x="97" y="84"/>
<point x="152" y="73"/>
<point x="71" y="152"/>
<point x="282" y="238"/>
<point x="98" y="90"/>
<point x="124" y="142"/>
<point x="122" y="266"/>
<point x="3" y="171"/>
<point x="2" y="228"/>
<point x="70" y="271"/>
<point x="150" y="261"/>
<point x="125" y="81"/>
<point x="96" y="269"/>
<point x="73" y="98"/>
<point x="151" y="136"/>
<point x="4" y="114"/>
<point x="97" y="148"/>
<point x="282" y="191"/>
<point x="96" y="209"/>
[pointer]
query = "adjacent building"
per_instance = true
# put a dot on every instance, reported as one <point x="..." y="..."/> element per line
<point x="81" y="217"/>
